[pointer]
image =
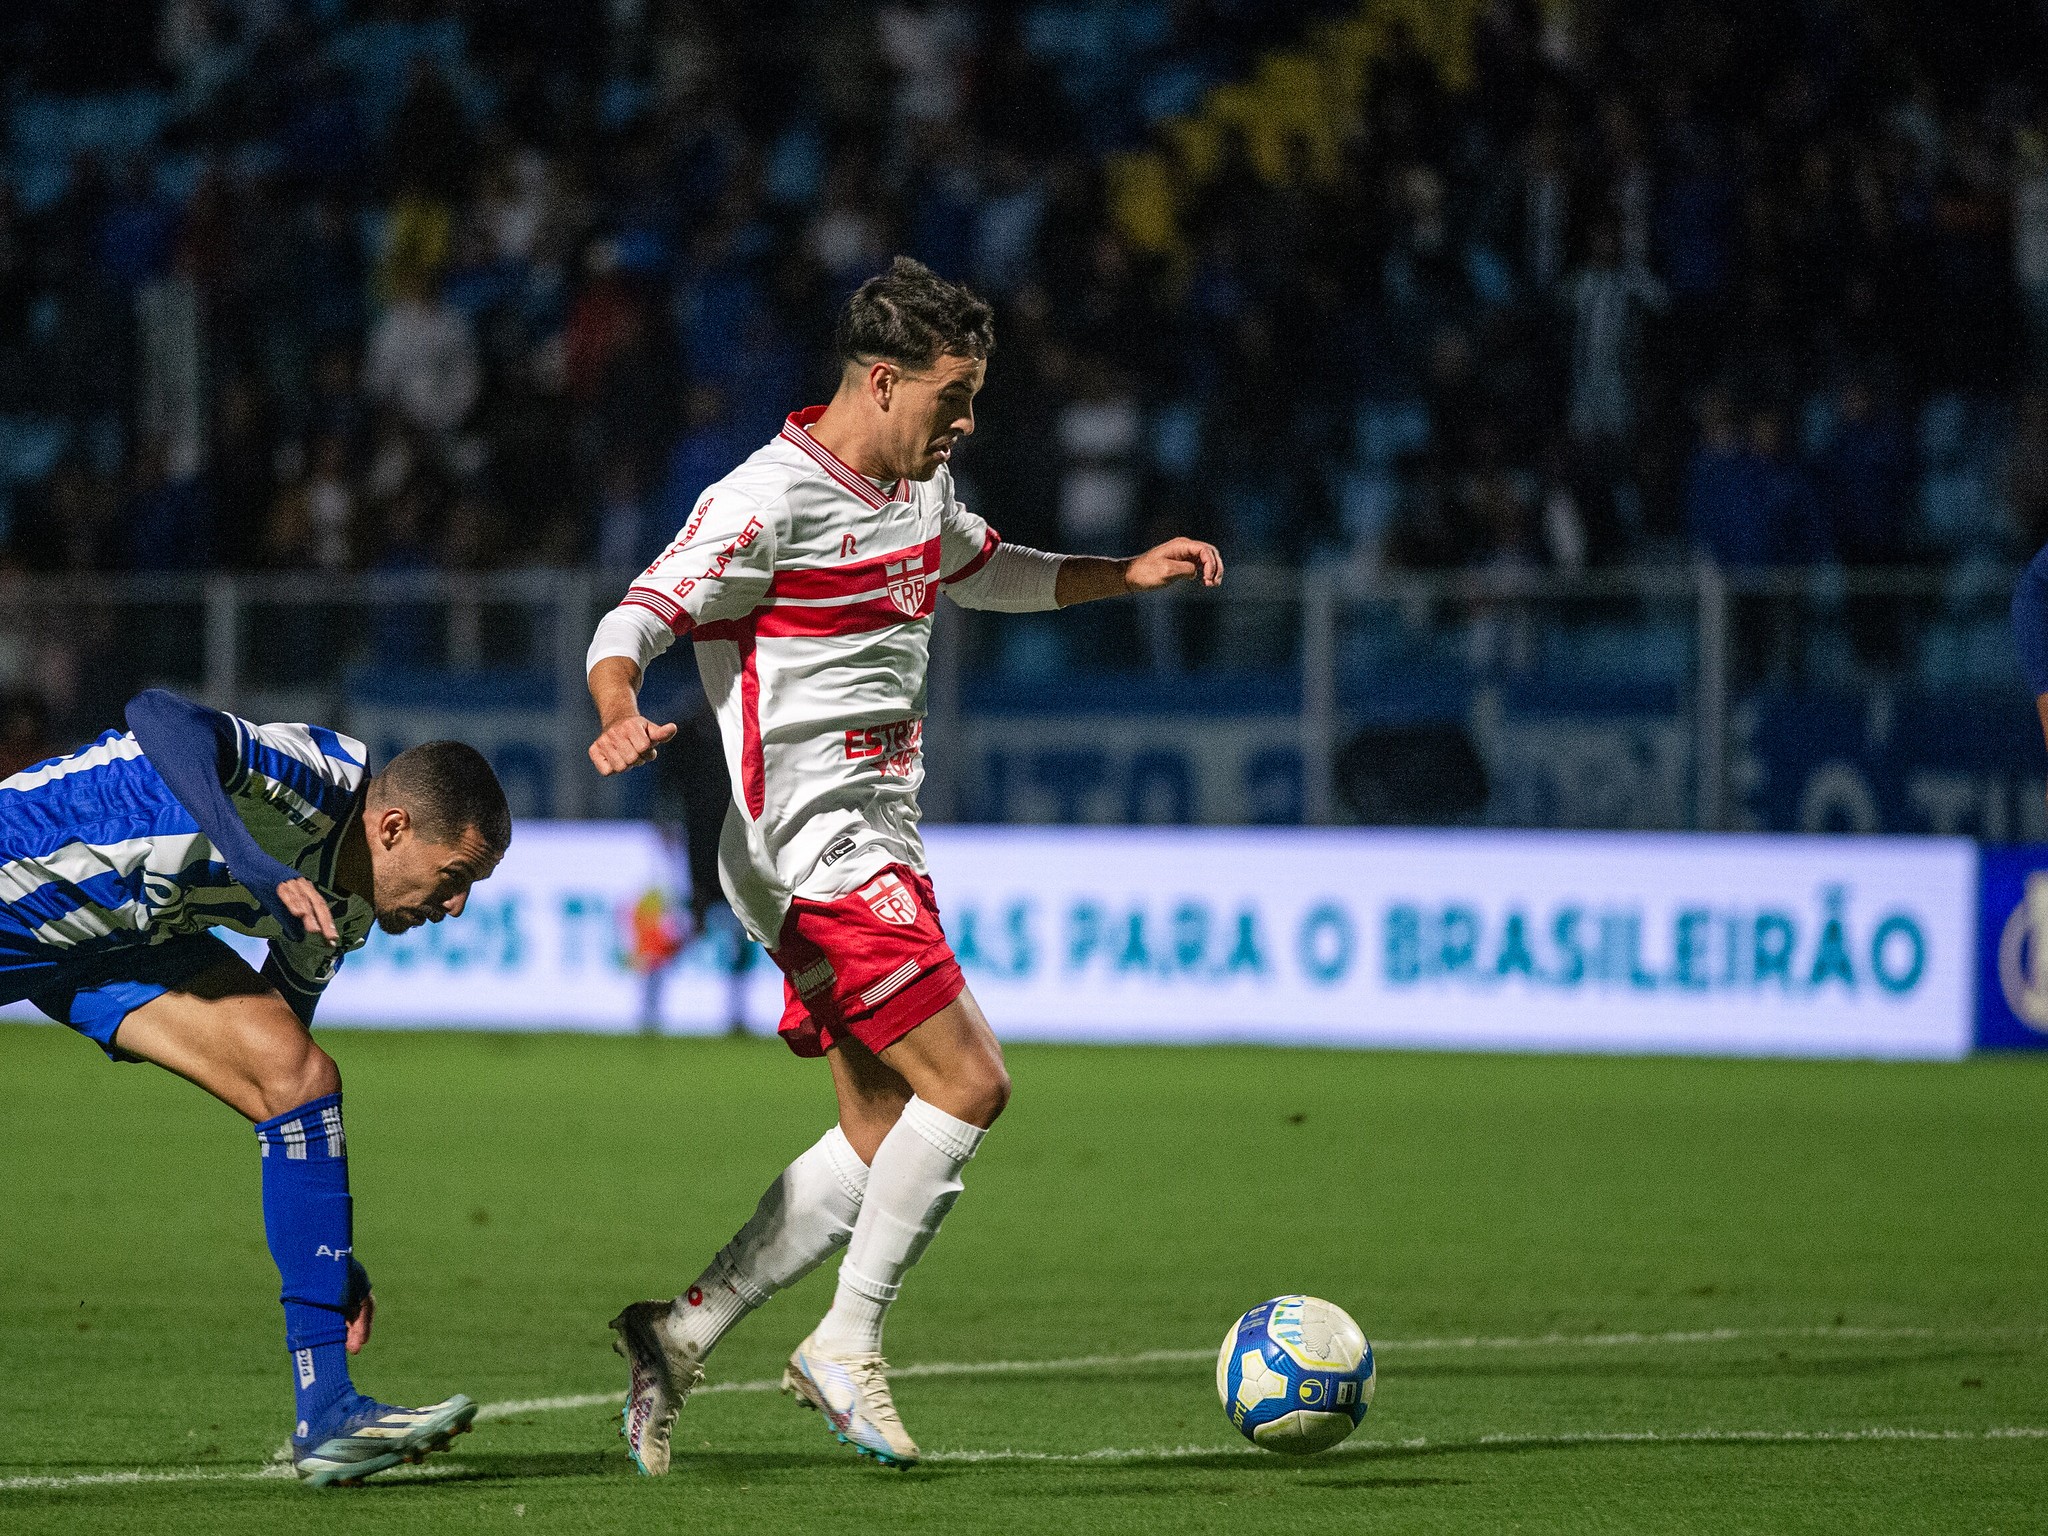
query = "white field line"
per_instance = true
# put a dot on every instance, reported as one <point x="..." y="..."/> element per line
<point x="1511" y="1442"/>
<point x="271" y="1472"/>
<point x="1075" y="1364"/>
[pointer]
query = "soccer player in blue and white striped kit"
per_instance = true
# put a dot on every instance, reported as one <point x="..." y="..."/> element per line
<point x="115" y="864"/>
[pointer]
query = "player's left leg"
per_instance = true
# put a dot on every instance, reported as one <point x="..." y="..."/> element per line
<point x="952" y="1068"/>
<point x="228" y="1031"/>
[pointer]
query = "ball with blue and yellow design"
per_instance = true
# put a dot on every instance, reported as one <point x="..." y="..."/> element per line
<point x="1295" y="1375"/>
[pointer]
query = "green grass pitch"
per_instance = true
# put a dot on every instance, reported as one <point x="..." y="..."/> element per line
<point x="1835" y="1276"/>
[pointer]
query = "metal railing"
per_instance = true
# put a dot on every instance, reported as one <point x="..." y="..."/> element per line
<point x="1340" y="639"/>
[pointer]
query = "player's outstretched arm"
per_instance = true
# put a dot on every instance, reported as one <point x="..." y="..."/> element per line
<point x="626" y="738"/>
<point x="193" y="748"/>
<point x="1085" y="578"/>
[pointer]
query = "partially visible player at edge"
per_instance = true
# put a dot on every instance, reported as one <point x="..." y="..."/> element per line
<point x="807" y="579"/>
<point x="115" y="864"/>
<point x="2030" y="631"/>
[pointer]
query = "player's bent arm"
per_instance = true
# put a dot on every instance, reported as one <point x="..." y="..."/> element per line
<point x="627" y="639"/>
<point x="2030" y="631"/>
<point x="194" y="750"/>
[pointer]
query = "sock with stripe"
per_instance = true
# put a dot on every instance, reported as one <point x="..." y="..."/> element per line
<point x="912" y="1183"/>
<point x="309" y="1221"/>
<point x="805" y="1217"/>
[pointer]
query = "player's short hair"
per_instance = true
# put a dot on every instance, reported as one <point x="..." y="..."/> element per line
<point x="447" y="788"/>
<point x="913" y="316"/>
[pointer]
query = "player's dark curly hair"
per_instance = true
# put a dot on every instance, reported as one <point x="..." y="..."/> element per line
<point x="913" y="316"/>
<point x="447" y="787"/>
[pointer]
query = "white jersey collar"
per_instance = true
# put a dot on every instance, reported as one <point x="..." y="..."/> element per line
<point x="797" y="429"/>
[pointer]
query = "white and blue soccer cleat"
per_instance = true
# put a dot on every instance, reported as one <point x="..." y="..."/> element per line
<point x="852" y="1392"/>
<point x="378" y="1437"/>
<point x="662" y="1372"/>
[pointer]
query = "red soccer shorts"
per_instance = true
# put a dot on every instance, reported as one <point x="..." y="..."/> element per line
<point x="873" y="965"/>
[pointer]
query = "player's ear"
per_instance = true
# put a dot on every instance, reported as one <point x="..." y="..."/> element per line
<point x="393" y="822"/>
<point x="882" y="377"/>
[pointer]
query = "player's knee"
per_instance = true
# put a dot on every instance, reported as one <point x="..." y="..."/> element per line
<point x="867" y="1124"/>
<point x="292" y="1077"/>
<point x="985" y="1093"/>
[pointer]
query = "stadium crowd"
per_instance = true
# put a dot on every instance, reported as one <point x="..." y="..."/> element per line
<point x="342" y="284"/>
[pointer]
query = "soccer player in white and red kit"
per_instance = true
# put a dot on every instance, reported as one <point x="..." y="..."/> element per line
<point x="806" y="581"/>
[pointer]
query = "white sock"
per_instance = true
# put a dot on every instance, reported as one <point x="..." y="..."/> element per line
<point x="913" y="1183"/>
<point x="806" y="1213"/>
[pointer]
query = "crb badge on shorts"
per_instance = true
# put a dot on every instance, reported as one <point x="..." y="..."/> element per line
<point x="890" y="900"/>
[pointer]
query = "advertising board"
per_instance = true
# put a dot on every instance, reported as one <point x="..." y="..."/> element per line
<point x="1518" y="941"/>
<point x="2012" y="950"/>
<point x="1535" y="941"/>
<point x="1540" y="941"/>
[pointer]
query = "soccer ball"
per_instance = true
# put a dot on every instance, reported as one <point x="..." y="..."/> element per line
<point x="1295" y="1374"/>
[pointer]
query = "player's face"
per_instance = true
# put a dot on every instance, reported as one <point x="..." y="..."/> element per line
<point x="420" y="882"/>
<point x="932" y="411"/>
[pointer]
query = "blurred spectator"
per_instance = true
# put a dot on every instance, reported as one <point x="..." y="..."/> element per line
<point x="422" y="359"/>
<point x="167" y="519"/>
<point x="1862" y="479"/>
<point x="1098" y="437"/>
<point x="242" y="471"/>
<point x="1546" y="200"/>
<point x="1606" y="301"/>
<point x="1749" y="508"/>
<point x="315" y="524"/>
<point x="705" y="452"/>
<point x="625" y="537"/>
<point x="136" y="233"/>
<point x="2030" y="241"/>
<point x="2026" y="471"/>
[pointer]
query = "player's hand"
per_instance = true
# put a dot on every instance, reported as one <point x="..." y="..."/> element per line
<point x="1175" y="560"/>
<point x="303" y="900"/>
<point x="628" y="743"/>
<point x="360" y="1322"/>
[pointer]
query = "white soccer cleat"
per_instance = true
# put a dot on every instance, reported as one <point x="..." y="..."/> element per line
<point x="663" y="1372"/>
<point x="852" y="1392"/>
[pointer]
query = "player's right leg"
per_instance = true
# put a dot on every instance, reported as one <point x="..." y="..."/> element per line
<point x="216" y="1023"/>
<point x="803" y="1218"/>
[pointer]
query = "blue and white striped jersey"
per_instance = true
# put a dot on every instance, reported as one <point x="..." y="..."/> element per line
<point x="96" y="853"/>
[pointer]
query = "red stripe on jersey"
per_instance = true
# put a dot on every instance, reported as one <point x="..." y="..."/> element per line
<point x="782" y="622"/>
<point x="663" y="608"/>
<point x="797" y="430"/>
<point x="858" y="579"/>
<point x="753" y="770"/>
<point x="988" y="547"/>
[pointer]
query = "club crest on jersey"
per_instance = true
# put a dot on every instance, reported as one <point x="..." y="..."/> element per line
<point x="890" y="900"/>
<point x="907" y="582"/>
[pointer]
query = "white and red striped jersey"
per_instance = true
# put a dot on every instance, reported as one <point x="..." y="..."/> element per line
<point x="808" y="590"/>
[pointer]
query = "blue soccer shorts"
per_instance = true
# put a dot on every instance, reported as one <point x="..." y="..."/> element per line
<point x="94" y="993"/>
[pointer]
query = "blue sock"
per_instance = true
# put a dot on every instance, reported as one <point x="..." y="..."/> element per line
<point x="309" y="1221"/>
